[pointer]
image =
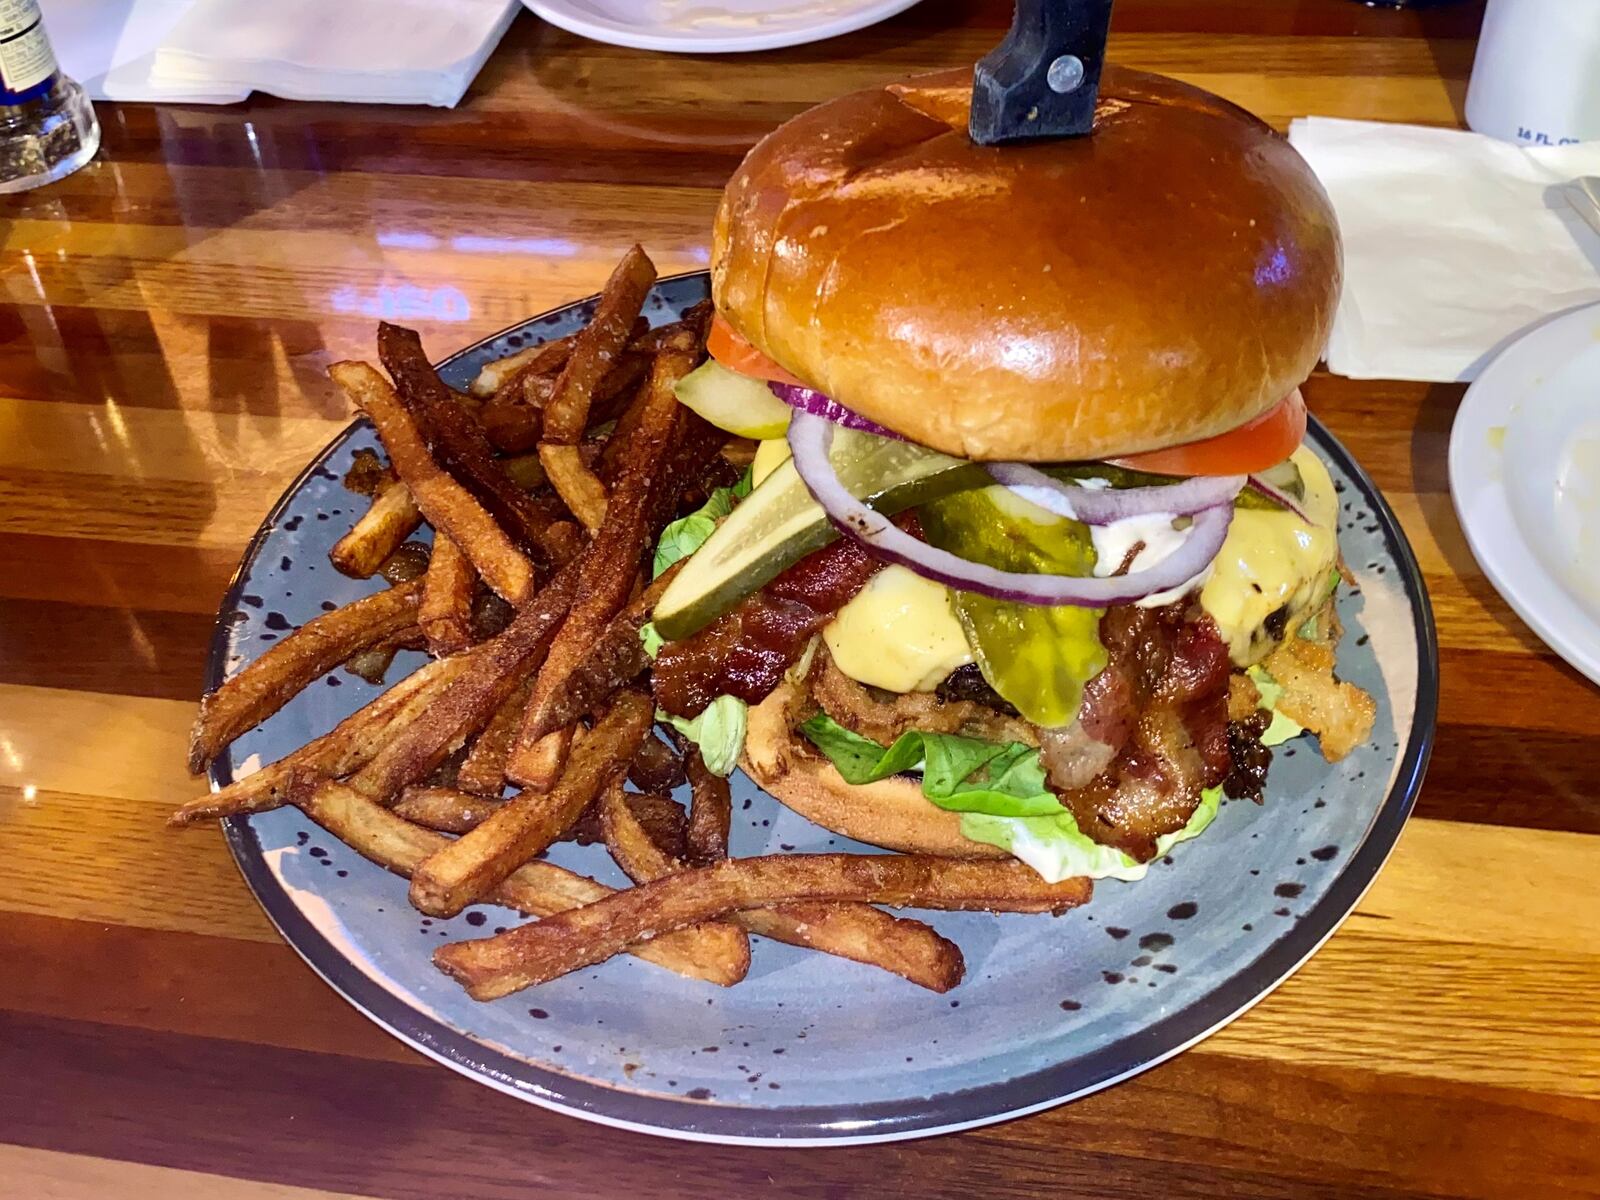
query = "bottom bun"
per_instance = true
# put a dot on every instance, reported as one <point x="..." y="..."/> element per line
<point x="892" y="813"/>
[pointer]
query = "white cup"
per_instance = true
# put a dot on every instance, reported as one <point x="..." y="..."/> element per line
<point x="1536" y="78"/>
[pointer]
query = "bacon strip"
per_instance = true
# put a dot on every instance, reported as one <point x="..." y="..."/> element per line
<point x="745" y="652"/>
<point x="1158" y="714"/>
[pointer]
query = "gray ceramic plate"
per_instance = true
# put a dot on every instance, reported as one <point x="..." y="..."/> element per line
<point x="812" y="1049"/>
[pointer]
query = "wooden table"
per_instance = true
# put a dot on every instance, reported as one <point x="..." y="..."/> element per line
<point x="168" y="316"/>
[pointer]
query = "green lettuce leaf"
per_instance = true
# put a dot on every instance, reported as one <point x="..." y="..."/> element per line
<point x="1001" y="793"/>
<point x="1282" y="728"/>
<point x="1057" y="849"/>
<point x="958" y="773"/>
<point x="718" y="731"/>
<point x="653" y="641"/>
<point x="687" y="534"/>
<point x="1308" y="627"/>
<point x="861" y="760"/>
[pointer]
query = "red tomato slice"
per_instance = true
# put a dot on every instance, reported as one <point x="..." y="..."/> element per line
<point x="1254" y="446"/>
<point x="731" y="350"/>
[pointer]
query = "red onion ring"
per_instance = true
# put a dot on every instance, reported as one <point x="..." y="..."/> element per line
<point x="1102" y="506"/>
<point x="1278" y="496"/>
<point x="811" y="437"/>
<point x="807" y="401"/>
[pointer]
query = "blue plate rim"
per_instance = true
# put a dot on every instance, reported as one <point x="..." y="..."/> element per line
<point x="854" y="1124"/>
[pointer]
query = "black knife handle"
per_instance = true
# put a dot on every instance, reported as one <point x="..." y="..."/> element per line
<point x="1042" y="80"/>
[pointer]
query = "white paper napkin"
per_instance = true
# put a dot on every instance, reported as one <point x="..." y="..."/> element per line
<point x="109" y="46"/>
<point x="219" y="51"/>
<point x="1453" y="243"/>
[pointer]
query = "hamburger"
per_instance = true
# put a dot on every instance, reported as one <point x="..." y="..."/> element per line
<point x="1030" y="558"/>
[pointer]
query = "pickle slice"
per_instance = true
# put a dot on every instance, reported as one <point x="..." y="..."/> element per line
<point x="1285" y="477"/>
<point x="741" y="405"/>
<point x="1038" y="657"/>
<point x="779" y="523"/>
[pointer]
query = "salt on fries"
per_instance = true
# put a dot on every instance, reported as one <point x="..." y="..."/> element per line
<point x="548" y="484"/>
<point x="508" y="962"/>
<point x="447" y="505"/>
<point x="536" y="888"/>
<point x="860" y="932"/>
<point x="467" y="869"/>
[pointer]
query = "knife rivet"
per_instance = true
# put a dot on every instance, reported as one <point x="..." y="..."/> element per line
<point x="1065" y="74"/>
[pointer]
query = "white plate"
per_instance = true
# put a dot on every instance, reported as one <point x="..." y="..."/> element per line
<point x="1525" y="475"/>
<point x="714" y="26"/>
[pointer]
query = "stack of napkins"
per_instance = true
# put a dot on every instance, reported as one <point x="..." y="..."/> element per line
<point x="219" y="51"/>
<point x="1454" y="243"/>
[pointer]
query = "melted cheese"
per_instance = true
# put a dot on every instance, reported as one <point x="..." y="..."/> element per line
<point x="899" y="633"/>
<point x="770" y="455"/>
<point x="1272" y="561"/>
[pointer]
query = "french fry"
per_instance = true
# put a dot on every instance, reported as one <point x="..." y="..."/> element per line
<point x="609" y="468"/>
<point x="858" y="932"/>
<point x="566" y="541"/>
<point x="469" y="868"/>
<point x="657" y="767"/>
<point x="710" y="813"/>
<point x="444" y="613"/>
<point x="350" y="746"/>
<point x="615" y="658"/>
<point x="630" y="844"/>
<point x="492" y="967"/>
<point x="618" y="388"/>
<point x="514" y="420"/>
<point x="560" y="538"/>
<point x="392" y="517"/>
<point x="537" y="888"/>
<point x="541" y="359"/>
<point x="449" y="507"/>
<point x="525" y="470"/>
<point x="445" y="809"/>
<point x="450" y="810"/>
<point x="317" y="647"/>
<point x="494" y="670"/>
<point x="695" y="320"/>
<point x="483" y="771"/>
<point x="597" y="348"/>
<point x="687" y="336"/>
<point x="456" y="438"/>
<point x="541" y="766"/>
<point x="610" y="566"/>
<point x="661" y="816"/>
<point x="575" y="483"/>
<point x="367" y="475"/>
<point x="686" y="468"/>
<point x="509" y="378"/>
<point x="373" y="663"/>
<point x="512" y="427"/>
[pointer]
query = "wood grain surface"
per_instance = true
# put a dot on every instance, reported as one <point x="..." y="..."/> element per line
<point x="167" y="317"/>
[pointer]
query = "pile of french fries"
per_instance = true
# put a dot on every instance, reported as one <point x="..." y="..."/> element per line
<point x="547" y="488"/>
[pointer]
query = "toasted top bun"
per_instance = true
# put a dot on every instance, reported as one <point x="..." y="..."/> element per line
<point x="892" y="813"/>
<point x="1165" y="279"/>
